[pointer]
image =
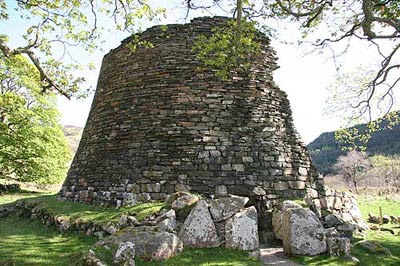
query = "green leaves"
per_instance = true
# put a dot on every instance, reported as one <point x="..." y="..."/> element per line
<point x="32" y="145"/>
<point x="60" y="28"/>
<point x="226" y="51"/>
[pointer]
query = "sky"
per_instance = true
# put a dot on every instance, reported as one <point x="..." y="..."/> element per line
<point x="303" y="76"/>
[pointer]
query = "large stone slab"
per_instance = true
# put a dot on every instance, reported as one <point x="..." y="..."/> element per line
<point x="151" y="243"/>
<point x="198" y="230"/>
<point x="277" y="216"/>
<point x="241" y="230"/>
<point x="222" y="209"/>
<point x="303" y="233"/>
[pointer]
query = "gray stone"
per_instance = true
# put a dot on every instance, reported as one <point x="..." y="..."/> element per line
<point x="91" y="260"/>
<point x="198" y="230"/>
<point x="110" y="228"/>
<point x="184" y="201"/>
<point x="297" y="184"/>
<point x="238" y="167"/>
<point x="338" y="246"/>
<point x="332" y="220"/>
<point x="221" y="190"/>
<point x="303" y="233"/>
<point x="280" y="185"/>
<point x="385" y="219"/>
<point x="151" y="243"/>
<point x="241" y="230"/>
<point x="167" y="221"/>
<point x="6" y="210"/>
<point x="303" y="171"/>
<point x="125" y="254"/>
<point x="277" y="216"/>
<point x="223" y="208"/>
<point x="331" y="232"/>
<point x="373" y="218"/>
<point x="312" y="193"/>
<point x="258" y="191"/>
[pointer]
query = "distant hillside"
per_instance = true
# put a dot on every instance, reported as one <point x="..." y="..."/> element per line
<point x="73" y="135"/>
<point x="325" y="150"/>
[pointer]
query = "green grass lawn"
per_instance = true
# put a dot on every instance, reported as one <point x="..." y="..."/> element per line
<point x="10" y="198"/>
<point x="372" y="204"/>
<point x="31" y="243"/>
<point x="24" y="242"/>
<point x="207" y="257"/>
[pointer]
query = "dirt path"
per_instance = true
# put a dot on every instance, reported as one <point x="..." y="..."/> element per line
<point x="275" y="256"/>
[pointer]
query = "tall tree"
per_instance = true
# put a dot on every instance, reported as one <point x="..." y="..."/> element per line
<point x="32" y="144"/>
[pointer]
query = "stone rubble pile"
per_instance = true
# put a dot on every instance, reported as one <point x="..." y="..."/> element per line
<point x="342" y="204"/>
<point x="230" y="221"/>
<point x="207" y="223"/>
<point x="302" y="232"/>
<point x="212" y="223"/>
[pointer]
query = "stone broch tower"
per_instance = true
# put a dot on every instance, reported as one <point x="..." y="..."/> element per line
<point x="160" y="123"/>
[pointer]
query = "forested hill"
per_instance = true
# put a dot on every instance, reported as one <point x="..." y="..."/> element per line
<point x="73" y="135"/>
<point x="325" y="150"/>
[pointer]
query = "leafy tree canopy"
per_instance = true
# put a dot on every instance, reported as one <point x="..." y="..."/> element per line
<point x="32" y="145"/>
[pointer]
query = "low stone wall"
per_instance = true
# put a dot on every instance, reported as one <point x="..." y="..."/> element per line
<point x="342" y="204"/>
<point x="35" y="212"/>
<point x="196" y="222"/>
<point x="230" y="221"/>
<point x="8" y="188"/>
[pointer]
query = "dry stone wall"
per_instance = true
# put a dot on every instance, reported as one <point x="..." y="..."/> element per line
<point x="160" y="122"/>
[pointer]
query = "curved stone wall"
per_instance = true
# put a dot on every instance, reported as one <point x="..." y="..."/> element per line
<point x="158" y="124"/>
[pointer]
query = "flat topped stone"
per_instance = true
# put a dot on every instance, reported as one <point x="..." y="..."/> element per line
<point x="222" y="209"/>
<point x="151" y="243"/>
<point x="183" y="201"/>
<point x="198" y="230"/>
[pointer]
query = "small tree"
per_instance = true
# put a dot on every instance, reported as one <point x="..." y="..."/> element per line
<point x="354" y="167"/>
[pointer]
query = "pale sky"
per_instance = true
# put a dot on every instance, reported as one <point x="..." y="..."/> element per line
<point x="304" y="77"/>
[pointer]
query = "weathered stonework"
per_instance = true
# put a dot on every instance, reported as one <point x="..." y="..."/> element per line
<point x="160" y="124"/>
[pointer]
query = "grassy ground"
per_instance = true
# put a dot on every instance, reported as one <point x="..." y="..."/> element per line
<point x="91" y="213"/>
<point x="388" y="240"/>
<point x="207" y="257"/>
<point x="23" y="242"/>
<point x="31" y="243"/>
<point x="10" y="198"/>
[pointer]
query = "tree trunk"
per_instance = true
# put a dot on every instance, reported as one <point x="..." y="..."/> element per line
<point x="355" y="186"/>
<point x="239" y="5"/>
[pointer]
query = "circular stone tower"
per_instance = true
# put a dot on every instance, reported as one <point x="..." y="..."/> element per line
<point x="158" y="125"/>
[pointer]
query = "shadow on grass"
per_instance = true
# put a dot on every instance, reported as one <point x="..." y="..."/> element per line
<point x="30" y="243"/>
